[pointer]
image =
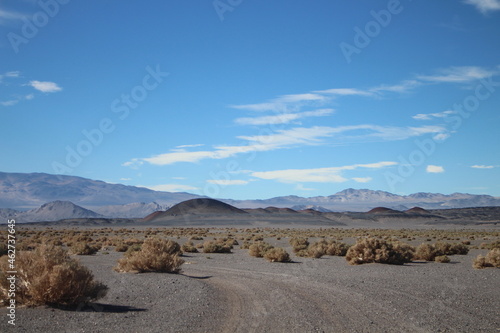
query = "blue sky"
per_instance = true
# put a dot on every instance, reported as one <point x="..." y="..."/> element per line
<point x="254" y="99"/>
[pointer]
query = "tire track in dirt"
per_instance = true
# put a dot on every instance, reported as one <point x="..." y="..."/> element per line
<point x="272" y="302"/>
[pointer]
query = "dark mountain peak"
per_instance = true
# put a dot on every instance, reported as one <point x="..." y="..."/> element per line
<point x="201" y="206"/>
<point x="383" y="210"/>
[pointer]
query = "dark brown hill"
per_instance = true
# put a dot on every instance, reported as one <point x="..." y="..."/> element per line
<point x="383" y="210"/>
<point x="280" y="210"/>
<point x="200" y="206"/>
<point x="418" y="210"/>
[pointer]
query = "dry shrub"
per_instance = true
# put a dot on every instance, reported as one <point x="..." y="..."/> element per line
<point x="426" y="252"/>
<point x="429" y="252"/>
<point x="444" y="248"/>
<point x="491" y="246"/>
<point x="121" y="247"/>
<point x="3" y="249"/>
<point x="216" y="247"/>
<point x="372" y="250"/>
<point x="189" y="247"/>
<point x="492" y="259"/>
<point x="277" y="254"/>
<point x="83" y="249"/>
<point x="316" y="250"/>
<point x="259" y="249"/>
<point x="442" y="259"/>
<point x="155" y="255"/>
<point x="49" y="276"/>
<point x="299" y="244"/>
<point x="336" y="248"/>
<point x="245" y="245"/>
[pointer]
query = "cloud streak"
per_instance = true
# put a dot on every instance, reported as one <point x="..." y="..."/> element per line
<point x="319" y="175"/>
<point x="283" y="118"/>
<point x="45" y="86"/>
<point x="291" y="138"/>
<point x="434" y="169"/>
<point x="484" y="6"/>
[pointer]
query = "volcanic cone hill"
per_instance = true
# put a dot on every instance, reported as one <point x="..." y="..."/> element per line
<point x="418" y="210"/>
<point x="200" y="206"/>
<point x="383" y="210"/>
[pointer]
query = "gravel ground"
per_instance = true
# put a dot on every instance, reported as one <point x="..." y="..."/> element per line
<point x="238" y="293"/>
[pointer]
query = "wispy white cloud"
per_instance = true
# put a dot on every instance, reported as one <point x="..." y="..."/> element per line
<point x="134" y="163"/>
<point x="45" y="86"/>
<point x="191" y="146"/>
<point x="463" y="74"/>
<point x="401" y="87"/>
<point x="294" y="137"/>
<point x="344" y="92"/>
<point x="280" y="139"/>
<point x="282" y="118"/>
<point x="285" y="103"/>
<point x="434" y="169"/>
<point x="362" y="179"/>
<point x="227" y="182"/>
<point x="483" y="166"/>
<point x="301" y="187"/>
<point x="484" y="6"/>
<point x="8" y="16"/>
<point x="171" y="187"/>
<point x="429" y="116"/>
<point x="9" y="102"/>
<point x="318" y="175"/>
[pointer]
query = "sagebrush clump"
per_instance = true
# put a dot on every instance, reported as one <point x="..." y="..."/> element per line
<point x="492" y="259"/>
<point x="155" y="255"/>
<point x="49" y="276"/>
<point x="372" y="250"/>
<point x="277" y="254"/>
<point x="259" y="249"/>
<point x="85" y="249"/>
<point x="216" y="247"/>
<point x="429" y="252"/>
<point x="189" y="247"/>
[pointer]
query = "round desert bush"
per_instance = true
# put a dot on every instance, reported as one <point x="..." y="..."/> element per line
<point x="189" y="247"/>
<point x="426" y="252"/>
<point x="277" y="254"/>
<point x="492" y="259"/>
<point x="316" y="250"/>
<point x="49" y="276"/>
<point x="372" y="250"/>
<point x="429" y="252"/>
<point x="83" y="249"/>
<point x="443" y="248"/>
<point x="215" y="247"/>
<point x="259" y="249"/>
<point x="155" y="255"/>
<point x="442" y="259"/>
<point x="336" y="248"/>
<point x="299" y="244"/>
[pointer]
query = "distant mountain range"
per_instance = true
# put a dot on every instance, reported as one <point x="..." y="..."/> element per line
<point x="31" y="190"/>
<point x="76" y="197"/>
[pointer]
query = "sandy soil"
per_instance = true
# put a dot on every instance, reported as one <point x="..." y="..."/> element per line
<point x="238" y="293"/>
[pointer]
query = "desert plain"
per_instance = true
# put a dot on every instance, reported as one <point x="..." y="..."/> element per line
<point x="237" y="292"/>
